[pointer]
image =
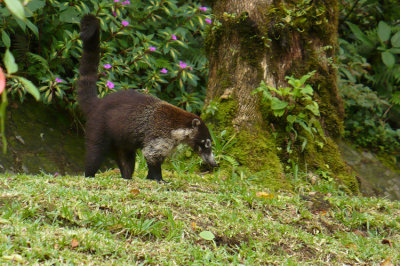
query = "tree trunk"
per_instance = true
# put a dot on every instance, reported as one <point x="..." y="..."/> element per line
<point x="267" y="40"/>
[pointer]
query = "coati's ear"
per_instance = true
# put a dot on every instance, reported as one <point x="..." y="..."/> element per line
<point x="196" y="123"/>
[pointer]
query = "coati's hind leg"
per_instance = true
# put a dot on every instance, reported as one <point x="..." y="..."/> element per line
<point x="126" y="162"/>
<point x="93" y="158"/>
<point x="96" y="148"/>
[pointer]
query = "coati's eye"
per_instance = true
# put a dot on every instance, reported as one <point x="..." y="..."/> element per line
<point x="206" y="143"/>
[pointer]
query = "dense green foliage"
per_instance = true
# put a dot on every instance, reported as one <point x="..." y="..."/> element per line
<point x="369" y="67"/>
<point x="153" y="46"/>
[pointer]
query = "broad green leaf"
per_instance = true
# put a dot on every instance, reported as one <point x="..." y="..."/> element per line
<point x="307" y="90"/>
<point x="396" y="39"/>
<point x="69" y="15"/>
<point x="277" y="104"/>
<point x="359" y="34"/>
<point x="291" y="118"/>
<point x="32" y="26"/>
<point x="394" y="50"/>
<point x="16" y="8"/>
<point x="9" y="62"/>
<point x="34" y="5"/>
<point x="207" y="235"/>
<point x="384" y="31"/>
<point x="388" y="59"/>
<point x="313" y="107"/>
<point x="30" y="87"/>
<point x="6" y="39"/>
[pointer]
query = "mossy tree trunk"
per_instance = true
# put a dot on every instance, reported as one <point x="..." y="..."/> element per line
<point x="257" y="40"/>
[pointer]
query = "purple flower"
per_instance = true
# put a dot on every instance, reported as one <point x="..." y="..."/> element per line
<point x="110" y="84"/>
<point x="116" y="1"/>
<point x="114" y="13"/>
<point x="125" y="23"/>
<point x="209" y="21"/>
<point x="173" y="37"/>
<point x="164" y="71"/>
<point x="107" y="66"/>
<point x="203" y="8"/>
<point x="58" y="80"/>
<point x="182" y="64"/>
<point x="152" y="49"/>
<point x="126" y="2"/>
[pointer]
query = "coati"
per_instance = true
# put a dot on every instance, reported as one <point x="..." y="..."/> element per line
<point x="125" y="121"/>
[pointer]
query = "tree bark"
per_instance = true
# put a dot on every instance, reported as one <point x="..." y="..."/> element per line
<point x="257" y="40"/>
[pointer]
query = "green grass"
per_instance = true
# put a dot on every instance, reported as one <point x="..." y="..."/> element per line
<point x="108" y="220"/>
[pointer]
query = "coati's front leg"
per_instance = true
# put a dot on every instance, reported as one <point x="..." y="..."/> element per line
<point x="126" y="162"/>
<point x="154" y="171"/>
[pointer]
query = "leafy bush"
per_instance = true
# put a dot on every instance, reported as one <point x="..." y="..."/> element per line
<point x="154" y="46"/>
<point x="369" y="83"/>
<point x="297" y="108"/>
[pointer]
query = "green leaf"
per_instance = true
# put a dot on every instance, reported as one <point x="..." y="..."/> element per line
<point x="277" y="104"/>
<point x="33" y="27"/>
<point x="291" y="118"/>
<point x="30" y="87"/>
<point x="313" y="107"/>
<point x="396" y="39"/>
<point x="384" y="31"/>
<point x="35" y="5"/>
<point x="16" y="8"/>
<point x="359" y="34"/>
<point x="307" y="90"/>
<point x="69" y="15"/>
<point x="388" y="59"/>
<point x="9" y="62"/>
<point x="6" y="39"/>
<point x="207" y="235"/>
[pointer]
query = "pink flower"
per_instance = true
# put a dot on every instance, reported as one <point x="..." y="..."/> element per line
<point x="126" y="2"/>
<point x="2" y="81"/>
<point x="58" y="80"/>
<point x="164" y="71"/>
<point x="182" y="64"/>
<point x="203" y="8"/>
<point x="125" y="23"/>
<point x="110" y="84"/>
<point x="173" y="37"/>
<point x="209" y="21"/>
<point x="114" y="13"/>
<point x="116" y="1"/>
<point x="152" y="49"/>
<point x="107" y="66"/>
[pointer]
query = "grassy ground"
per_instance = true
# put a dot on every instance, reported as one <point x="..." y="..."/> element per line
<point x="50" y="219"/>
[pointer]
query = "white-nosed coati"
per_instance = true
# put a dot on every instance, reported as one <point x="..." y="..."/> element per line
<point x="125" y="121"/>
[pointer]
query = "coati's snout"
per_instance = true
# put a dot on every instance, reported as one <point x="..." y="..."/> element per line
<point x="209" y="159"/>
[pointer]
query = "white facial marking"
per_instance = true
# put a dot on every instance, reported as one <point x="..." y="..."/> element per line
<point x="208" y="143"/>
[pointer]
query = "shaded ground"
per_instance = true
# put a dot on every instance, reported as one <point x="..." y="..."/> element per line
<point x="41" y="138"/>
<point x="375" y="177"/>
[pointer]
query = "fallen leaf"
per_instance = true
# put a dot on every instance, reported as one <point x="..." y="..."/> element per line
<point x="194" y="226"/>
<point x="74" y="243"/>
<point x="360" y="233"/>
<point x="387" y="242"/>
<point x="387" y="262"/>
<point x="264" y="195"/>
<point x="14" y="257"/>
<point x="134" y="191"/>
<point x="351" y="245"/>
<point x="207" y="235"/>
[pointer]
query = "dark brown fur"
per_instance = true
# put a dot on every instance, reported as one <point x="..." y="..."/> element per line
<point x="125" y="121"/>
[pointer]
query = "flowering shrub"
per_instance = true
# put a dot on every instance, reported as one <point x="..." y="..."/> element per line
<point x="154" y="46"/>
